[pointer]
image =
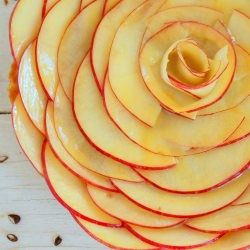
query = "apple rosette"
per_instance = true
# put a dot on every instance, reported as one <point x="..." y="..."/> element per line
<point x="136" y="113"/>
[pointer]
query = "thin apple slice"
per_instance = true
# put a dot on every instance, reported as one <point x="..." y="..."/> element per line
<point x="76" y="144"/>
<point x="244" y="198"/>
<point x="75" y="44"/>
<point x="124" y="72"/>
<point x="239" y="89"/>
<point x="72" y="192"/>
<point x="235" y="240"/>
<point x="239" y="26"/>
<point x="115" y="238"/>
<point x="28" y="136"/>
<point x="24" y="25"/>
<point x="182" y="205"/>
<point x="89" y="111"/>
<point x="229" y="219"/>
<point x="67" y="160"/>
<point x="54" y="25"/>
<point x="31" y="91"/>
<point x="196" y="173"/>
<point x="109" y="4"/>
<point x="187" y="12"/>
<point x="127" y="211"/>
<point x="180" y="237"/>
<point x="104" y="37"/>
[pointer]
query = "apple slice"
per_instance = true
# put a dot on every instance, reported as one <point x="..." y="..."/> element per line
<point x="89" y="111"/>
<point x="75" y="44"/>
<point x="53" y="26"/>
<point x="235" y="240"/>
<point x="127" y="211"/>
<point x="244" y="198"/>
<point x="239" y="26"/>
<point x="115" y="238"/>
<point x="104" y="37"/>
<point x="76" y="144"/>
<point x="229" y="219"/>
<point x="239" y="89"/>
<point x="196" y="173"/>
<point x="180" y="237"/>
<point x="124" y="72"/>
<point x="30" y="88"/>
<point x="67" y="160"/>
<point x="109" y="4"/>
<point x="24" y="25"/>
<point x="28" y="136"/>
<point x="71" y="191"/>
<point x="182" y="205"/>
<point x="179" y="134"/>
<point x="187" y="12"/>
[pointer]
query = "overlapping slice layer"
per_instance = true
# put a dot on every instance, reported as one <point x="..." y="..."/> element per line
<point x="89" y="111"/>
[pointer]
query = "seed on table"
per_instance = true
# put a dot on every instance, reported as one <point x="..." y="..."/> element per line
<point x="58" y="241"/>
<point x="12" y="237"/>
<point x="14" y="218"/>
<point x="3" y="158"/>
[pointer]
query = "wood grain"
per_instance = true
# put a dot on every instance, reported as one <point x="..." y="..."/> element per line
<point x="24" y="192"/>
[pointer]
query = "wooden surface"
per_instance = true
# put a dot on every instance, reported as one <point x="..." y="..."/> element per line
<point x="22" y="190"/>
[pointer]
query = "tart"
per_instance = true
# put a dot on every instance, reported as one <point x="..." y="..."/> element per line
<point x="136" y="113"/>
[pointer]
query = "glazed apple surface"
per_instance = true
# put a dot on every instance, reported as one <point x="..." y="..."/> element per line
<point x="136" y="113"/>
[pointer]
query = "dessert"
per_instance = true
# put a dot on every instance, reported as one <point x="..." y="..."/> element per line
<point x="136" y="113"/>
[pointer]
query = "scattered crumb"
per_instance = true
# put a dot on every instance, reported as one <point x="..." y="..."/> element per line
<point x="13" y="87"/>
<point x="6" y="2"/>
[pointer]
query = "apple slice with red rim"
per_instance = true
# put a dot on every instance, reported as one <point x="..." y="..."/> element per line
<point x="127" y="211"/>
<point x="90" y="112"/>
<point x="229" y="219"/>
<point x="74" y="44"/>
<point x="114" y="238"/>
<point x="103" y="38"/>
<point x="75" y="143"/>
<point x="71" y="191"/>
<point x="239" y="240"/>
<point x="53" y="26"/>
<point x="30" y="88"/>
<point x="66" y="159"/>
<point x="196" y="173"/>
<point x="29" y="137"/>
<point x="179" y="237"/>
<point x="124" y="72"/>
<point x="24" y="25"/>
<point x="182" y="205"/>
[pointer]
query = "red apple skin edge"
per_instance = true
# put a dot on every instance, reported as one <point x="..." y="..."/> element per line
<point x="179" y="223"/>
<point x="17" y="139"/>
<point x="63" y="203"/>
<point x="105" y="243"/>
<point x="172" y="247"/>
<point x="202" y="190"/>
<point x="177" y="216"/>
<point x="221" y="231"/>
<point x="230" y="81"/>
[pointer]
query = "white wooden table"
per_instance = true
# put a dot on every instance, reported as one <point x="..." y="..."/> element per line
<point x="22" y="190"/>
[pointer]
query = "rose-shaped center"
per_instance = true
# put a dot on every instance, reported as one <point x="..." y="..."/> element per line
<point x="185" y="65"/>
